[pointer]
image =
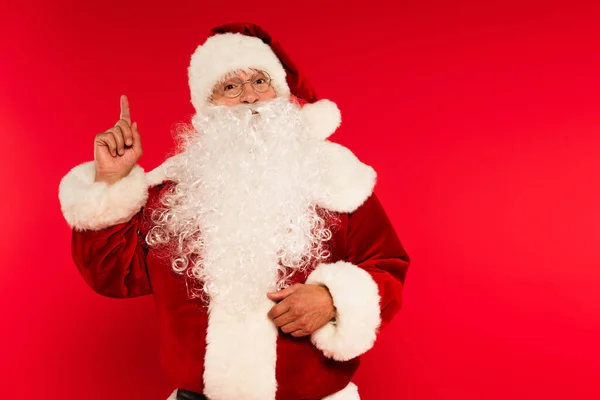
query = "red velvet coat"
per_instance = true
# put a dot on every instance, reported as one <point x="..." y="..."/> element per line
<point x="364" y="275"/>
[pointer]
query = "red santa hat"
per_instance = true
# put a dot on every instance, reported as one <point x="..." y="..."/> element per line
<point x="245" y="45"/>
<point x="240" y="46"/>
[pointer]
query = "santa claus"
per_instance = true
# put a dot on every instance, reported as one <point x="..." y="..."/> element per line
<point x="272" y="263"/>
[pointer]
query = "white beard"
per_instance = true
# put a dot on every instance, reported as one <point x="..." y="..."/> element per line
<point x="241" y="213"/>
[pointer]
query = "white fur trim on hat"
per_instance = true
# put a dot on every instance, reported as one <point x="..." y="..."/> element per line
<point x="356" y="299"/>
<point x="350" y="392"/>
<point x="323" y="117"/>
<point x="221" y="54"/>
<point x="86" y="204"/>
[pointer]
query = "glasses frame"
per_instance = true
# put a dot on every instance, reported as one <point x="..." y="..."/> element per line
<point x="220" y="91"/>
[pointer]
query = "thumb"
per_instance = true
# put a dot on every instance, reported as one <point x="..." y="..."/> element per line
<point x="282" y="294"/>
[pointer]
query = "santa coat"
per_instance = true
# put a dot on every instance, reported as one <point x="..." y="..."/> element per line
<point x="228" y="356"/>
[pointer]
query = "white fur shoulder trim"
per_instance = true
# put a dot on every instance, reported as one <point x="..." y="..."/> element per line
<point x="346" y="182"/>
<point x="356" y="298"/>
<point x="163" y="172"/>
<point x="158" y="175"/>
<point x="86" y="204"/>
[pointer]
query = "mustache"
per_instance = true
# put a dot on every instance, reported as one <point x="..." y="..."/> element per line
<point x="243" y="113"/>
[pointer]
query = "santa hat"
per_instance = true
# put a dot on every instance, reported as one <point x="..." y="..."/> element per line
<point x="240" y="46"/>
<point x="245" y="45"/>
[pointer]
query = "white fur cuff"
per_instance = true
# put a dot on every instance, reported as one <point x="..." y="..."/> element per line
<point x="93" y="205"/>
<point x="356" y="298"/>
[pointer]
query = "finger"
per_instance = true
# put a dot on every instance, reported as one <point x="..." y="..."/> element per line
<point x="107" y="139"/>
<point x="127" y="133"/>
<point x="291" y="327"/>
<point x="125" y="113"/>
<point x="279" y="309"/>
<point x="118" y="134"/>
<point x="300" y="333"/>
<point x="282" y="294"/>
<point x="285" y="319"/>
<point x="137" y="139"/>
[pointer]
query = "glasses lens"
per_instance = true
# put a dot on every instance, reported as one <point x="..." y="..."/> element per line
<point x="261" y="81"/>
<point x="232" y="87"/>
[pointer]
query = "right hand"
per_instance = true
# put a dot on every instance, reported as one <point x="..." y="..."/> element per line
<point x="117" y="150"/>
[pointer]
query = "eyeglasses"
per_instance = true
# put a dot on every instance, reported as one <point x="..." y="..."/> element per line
<point x="233" y="87"/>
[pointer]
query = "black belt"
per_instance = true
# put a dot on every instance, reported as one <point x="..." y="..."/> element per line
<point x="187" y="395"/>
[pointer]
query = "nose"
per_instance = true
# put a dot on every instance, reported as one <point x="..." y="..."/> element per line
<point x="249" y="95"/>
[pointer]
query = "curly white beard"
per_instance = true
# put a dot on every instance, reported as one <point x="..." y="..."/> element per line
<point x="241" y="218"/>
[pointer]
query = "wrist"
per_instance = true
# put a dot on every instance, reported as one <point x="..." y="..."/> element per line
<point x="109" y="178"/>
<point x="333" y="310"/>
<point x="106" y="179"/>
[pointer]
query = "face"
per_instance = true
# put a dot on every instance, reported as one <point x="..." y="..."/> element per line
<point x="249" y="94"/>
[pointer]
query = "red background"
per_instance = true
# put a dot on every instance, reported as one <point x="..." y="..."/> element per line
<point x="482" y="119"/>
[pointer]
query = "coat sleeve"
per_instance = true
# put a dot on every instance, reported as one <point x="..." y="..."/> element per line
<point x="106" y="244"/>
<point x="366" y="286"/>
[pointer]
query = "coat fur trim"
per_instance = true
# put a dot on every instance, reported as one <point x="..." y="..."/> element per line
<point x="345" y="184"/>
<point x="241" y="354"/>
<point x="356" y="298"/>
<point x="86" y="204"/>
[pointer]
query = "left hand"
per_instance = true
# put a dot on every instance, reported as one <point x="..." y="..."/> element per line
<point x="302" y="308"/>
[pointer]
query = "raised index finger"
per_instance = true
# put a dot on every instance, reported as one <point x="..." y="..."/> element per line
<point x="125" y="113"/>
